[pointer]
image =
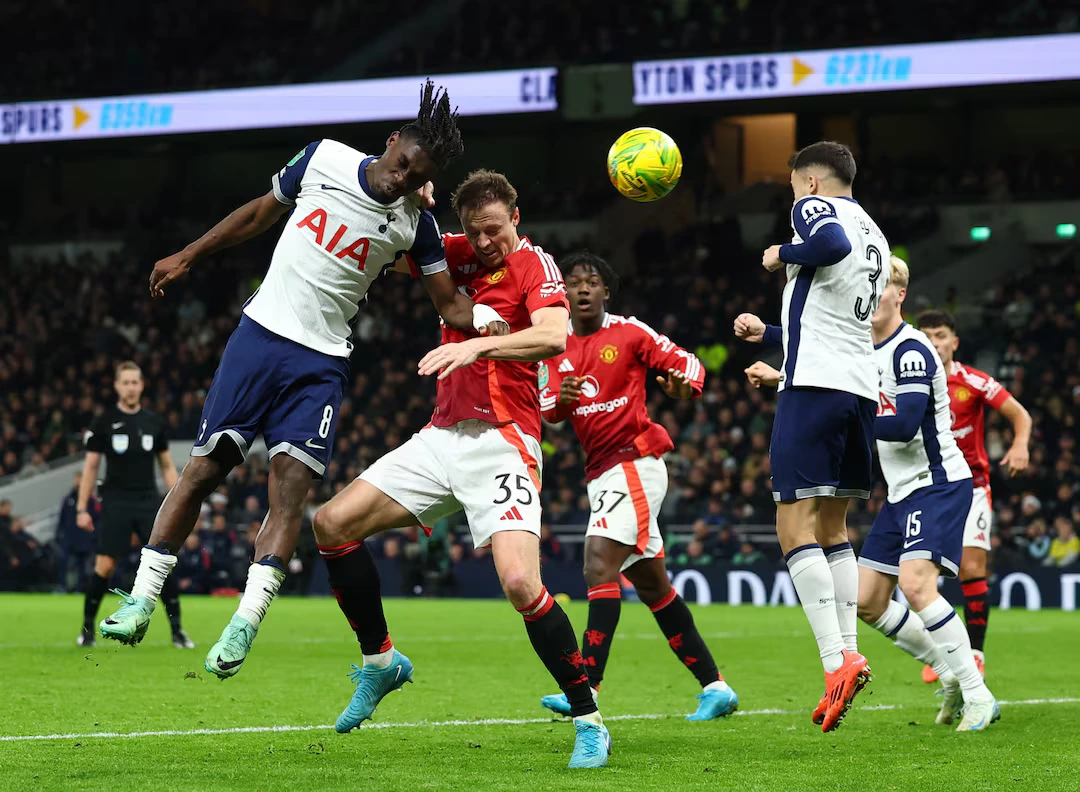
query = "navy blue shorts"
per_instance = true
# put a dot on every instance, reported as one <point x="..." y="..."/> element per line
<point x="821" y="445"/>
<point x="269" y="384"/>
<point x="928" y="523"/>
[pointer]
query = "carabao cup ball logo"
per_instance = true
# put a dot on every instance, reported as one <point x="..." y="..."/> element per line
<point x="590" y="388"/>
<point x="644" y="164"/>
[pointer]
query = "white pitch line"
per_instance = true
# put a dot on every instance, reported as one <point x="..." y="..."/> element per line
<point x="449" y="723"/>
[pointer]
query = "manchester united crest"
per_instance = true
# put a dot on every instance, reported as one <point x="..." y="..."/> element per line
<point x="496" y="276"/>
<point x="962" y="394"/>
<point x="608" y="353"/>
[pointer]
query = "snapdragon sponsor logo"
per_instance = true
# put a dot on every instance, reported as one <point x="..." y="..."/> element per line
<point x="602" y="407"/>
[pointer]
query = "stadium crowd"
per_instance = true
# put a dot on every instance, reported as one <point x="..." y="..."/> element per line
<point x="719" y="469"/>
<point x="252" y="42"/>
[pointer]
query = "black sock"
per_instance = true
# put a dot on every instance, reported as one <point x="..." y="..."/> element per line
<point x="976" y="610"/>
<point x="170" y="595"/>
<point x="554" y="642"/>
<point x="605" y="604"/>
<point x="677" y="624"/>
<point x="354" y="579"/>
<point x="96" y="587"/>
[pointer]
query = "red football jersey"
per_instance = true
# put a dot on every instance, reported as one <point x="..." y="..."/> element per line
<point x="499" y="391"/>
<point x="970" y="391"/>
<point x="611" y="419"/>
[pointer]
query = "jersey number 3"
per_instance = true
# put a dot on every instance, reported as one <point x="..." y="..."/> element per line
<point x="864" y="312"/>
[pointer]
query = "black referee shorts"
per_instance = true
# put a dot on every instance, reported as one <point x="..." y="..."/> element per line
<point x="122" y="515"/>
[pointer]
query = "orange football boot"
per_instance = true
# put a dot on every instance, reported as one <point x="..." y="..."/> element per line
<point x="929" y="675"/>
<point x="841" y="687"/>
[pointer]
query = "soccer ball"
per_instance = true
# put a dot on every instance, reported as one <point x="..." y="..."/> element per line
<point x="644" y="164"/>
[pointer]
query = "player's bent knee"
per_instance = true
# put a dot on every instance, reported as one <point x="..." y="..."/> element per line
<point x="973" y="564"/>
<point x="871" y="611"/>
<point x="599" y="570"/>
<point x="104" y="566"/>
<point x="202" y="475"/>
<point x="521" y="587"/>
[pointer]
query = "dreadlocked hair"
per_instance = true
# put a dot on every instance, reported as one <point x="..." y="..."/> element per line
<point x="590" y="262"/>
<point x="435" y="127"/>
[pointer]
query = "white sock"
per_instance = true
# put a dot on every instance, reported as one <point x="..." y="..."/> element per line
<point x="908" y="632"/>
<point x="380" y="660"/>
<point x="154" y="567"/>
<point x="845" y="574"/>
<point x="263" y="582"/>
<point x="951" y="637"/>
<point x="593" y="718"/>
<point x="814" y="584"/>
<point x="717" y="685"/>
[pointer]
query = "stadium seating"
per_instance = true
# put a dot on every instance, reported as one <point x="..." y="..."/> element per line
<point x="243" y="42"/>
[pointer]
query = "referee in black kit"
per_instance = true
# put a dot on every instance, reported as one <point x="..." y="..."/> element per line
<point x="130" y="438"/>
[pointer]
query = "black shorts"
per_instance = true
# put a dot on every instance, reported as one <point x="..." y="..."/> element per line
<point x="124" y="514"/>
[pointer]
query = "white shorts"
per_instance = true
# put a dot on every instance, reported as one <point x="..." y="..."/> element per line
<point x="979" y="520"/>
<point x="490" y="472"/>
<point x="626" y="501"/>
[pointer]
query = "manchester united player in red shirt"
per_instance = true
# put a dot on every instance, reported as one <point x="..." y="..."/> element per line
<point x="970" y="392"/>
<point x="480" y="453"/>
<point x="599" y="384"/>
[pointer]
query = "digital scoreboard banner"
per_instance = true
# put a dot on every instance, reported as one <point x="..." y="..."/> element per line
<point x="1029" y="59"/>
<point x="354" y="101"/>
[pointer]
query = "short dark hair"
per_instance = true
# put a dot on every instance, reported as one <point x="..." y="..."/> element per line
<point x="482" y="187"/>
<point x="829" y="154"/>
<point x="590" y="262"/>
<point x="933" y="318"/>
<point x="435" y="127"/>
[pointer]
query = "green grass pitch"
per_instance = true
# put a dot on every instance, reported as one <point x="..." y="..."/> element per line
<point x="474" y="672"/>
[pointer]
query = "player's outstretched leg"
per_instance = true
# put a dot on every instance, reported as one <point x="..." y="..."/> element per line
<point x="360" y="510"/>
<point x="843" y="566"/>
<point x="672" y="615"/>
<point x="918" y="581"/>
<point x="289" y="482"/>
<point x="175" y="520"/>
<point x="897" y="623"/>
<point x="170" y="594"/>
<point x="517" y="560"/>
<point x="603" y="560"/>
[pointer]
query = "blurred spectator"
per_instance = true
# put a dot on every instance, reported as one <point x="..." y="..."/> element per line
<point x="724" y="547"/>
<point x="218" y="542"/>
<point x="193" y="566"/>
<point x="694" y="555"/>
<point x="550" y="548"/>
<point x="74" y="546"/>
<point x="1065" y="548"/>
<point x="748" y="555"/>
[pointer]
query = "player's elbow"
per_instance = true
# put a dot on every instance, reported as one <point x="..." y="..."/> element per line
<point x="557" y="333"/>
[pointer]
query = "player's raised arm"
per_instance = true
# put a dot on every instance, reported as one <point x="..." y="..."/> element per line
<point x="1016" y="458"/>
<point x="242" y="224"/>
<point x="544" y="339"/>
<point x="761" y="373"/>
<point x="250" y="220"/>
<point x="685" y="375"/>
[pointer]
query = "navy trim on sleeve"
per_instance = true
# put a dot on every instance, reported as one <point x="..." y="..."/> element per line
<point x="287" y="180"/>
<point x="427" y="250"/>
<point x="774" y="335"/>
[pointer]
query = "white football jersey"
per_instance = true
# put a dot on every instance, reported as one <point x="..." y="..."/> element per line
<point x="908" y="363"/>
<point x="337" y="240"/>
<point x="826" y="311"/>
